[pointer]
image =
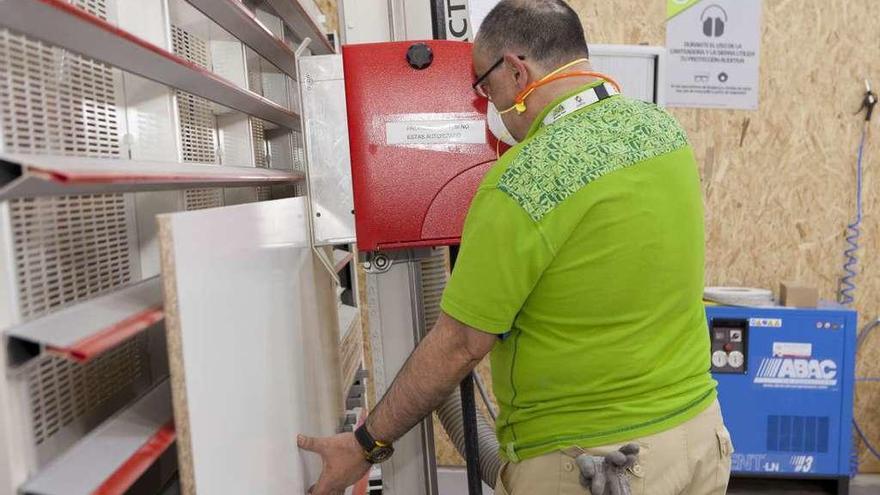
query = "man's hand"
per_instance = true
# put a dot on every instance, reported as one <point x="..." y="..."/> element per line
<point x="448" y="353"/>
<point x="343" y="462"/>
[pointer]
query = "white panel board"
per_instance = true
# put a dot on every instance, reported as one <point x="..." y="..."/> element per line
<point x="253" y="346"/>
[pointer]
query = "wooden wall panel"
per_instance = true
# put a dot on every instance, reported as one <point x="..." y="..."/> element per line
<point x="330" y="9"/>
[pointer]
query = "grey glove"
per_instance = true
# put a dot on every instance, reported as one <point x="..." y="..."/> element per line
<point x="607" y="475"/>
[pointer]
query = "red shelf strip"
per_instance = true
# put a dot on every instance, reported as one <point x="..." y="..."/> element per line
<point x="96" y="344"/>
<point x="128" y="473"/>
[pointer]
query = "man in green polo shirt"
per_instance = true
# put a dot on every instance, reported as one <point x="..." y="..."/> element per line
<point x="581" y="269"/>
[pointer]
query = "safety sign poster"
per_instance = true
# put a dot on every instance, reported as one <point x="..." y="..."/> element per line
<point x="713" y="49"/>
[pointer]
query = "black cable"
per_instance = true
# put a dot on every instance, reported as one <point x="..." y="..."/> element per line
<point x="438" y="19"/>
<point x="469" y="419"/>
<point x="471" y="440"/>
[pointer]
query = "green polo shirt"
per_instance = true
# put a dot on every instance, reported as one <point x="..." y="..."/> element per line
<point x="583" y="247"/>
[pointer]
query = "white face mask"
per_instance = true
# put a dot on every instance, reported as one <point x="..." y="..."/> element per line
<point x="496" y="125"/>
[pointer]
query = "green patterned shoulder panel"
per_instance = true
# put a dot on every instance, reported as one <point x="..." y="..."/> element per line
<point x="584" y="146"/>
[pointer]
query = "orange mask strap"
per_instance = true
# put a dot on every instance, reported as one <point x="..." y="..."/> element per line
<point x="520" y="101"/>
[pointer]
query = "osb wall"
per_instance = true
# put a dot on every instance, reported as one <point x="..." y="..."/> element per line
<point x="329" y="8"/>
<point x="779" y="182"/>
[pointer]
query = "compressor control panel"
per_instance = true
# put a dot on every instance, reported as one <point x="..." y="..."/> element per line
<point x="729" y="337"/>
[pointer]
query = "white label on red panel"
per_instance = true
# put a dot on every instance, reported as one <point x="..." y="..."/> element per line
<point x="421" y="132"/>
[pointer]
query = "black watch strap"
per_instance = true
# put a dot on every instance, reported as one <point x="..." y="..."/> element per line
<point x="374" y="450"/>
<point x="365" y="439"/>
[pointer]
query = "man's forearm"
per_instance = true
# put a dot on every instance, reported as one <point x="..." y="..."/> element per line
<point x="440" y="361"/>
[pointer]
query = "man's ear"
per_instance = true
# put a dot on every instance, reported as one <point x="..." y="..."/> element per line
<point x="520" y="71"/>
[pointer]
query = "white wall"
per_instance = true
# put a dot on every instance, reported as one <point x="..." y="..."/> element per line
<point x="370" y="21"/>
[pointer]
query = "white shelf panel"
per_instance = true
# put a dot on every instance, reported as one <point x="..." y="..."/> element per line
<point x="113" y="455"/>
<point x="234" y="17"/>
<point x="261" y="275"/>
<point x="296" y="16"/>
<point x="89" y="328"/>
<point x="43" y="175"/>
<point x="60" y="23"/>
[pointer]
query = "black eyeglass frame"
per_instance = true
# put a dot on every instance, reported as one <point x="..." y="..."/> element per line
<point x="489" y="71"/>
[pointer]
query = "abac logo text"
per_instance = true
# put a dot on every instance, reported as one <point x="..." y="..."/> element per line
<point x="797" y="373"/>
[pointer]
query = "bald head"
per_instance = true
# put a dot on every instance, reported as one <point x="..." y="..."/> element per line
<point x="548" y="32"/>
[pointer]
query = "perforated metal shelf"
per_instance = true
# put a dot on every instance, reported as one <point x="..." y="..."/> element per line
<point x="62" y="24"/>
<point x="234" y="17"/>
<point x="43" y="175"/>
<point x="113" y="455"/>
<point x="298" y="19"/>
<point x="91" y="327"/>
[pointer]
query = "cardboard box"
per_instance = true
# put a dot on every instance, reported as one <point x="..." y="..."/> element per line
<point x="799" y="296"/>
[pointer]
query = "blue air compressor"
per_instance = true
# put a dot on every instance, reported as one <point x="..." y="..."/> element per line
<point x="785" y="384"/>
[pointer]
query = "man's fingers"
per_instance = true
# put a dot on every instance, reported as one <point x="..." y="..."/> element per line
<point x="308" y="443"/>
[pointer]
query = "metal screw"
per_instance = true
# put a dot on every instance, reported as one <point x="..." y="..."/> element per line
<point x="381" y="261"/>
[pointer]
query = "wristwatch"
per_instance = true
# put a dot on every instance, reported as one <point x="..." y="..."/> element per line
<point x="374" y="450"/>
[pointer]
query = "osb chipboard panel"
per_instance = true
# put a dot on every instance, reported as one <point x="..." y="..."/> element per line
<point x="367" y="350"/>
<point x="175" y="350"/>
<point x="351" y="351"/>
<point x="330" y="10"/>
<point x="779" y="182"/>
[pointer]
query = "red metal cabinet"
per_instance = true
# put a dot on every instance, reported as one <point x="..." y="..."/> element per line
<point x="419" y="141"/>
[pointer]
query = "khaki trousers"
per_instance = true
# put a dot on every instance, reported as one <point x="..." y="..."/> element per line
<point x="690" y="459"/>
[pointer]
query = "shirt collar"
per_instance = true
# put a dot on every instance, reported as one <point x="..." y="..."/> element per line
<point x="538" y="123"/>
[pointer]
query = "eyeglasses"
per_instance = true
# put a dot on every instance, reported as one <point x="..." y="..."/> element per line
<point x="479" y="86"/>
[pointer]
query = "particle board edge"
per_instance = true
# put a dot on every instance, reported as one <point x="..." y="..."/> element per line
<point x="175" y="356"/>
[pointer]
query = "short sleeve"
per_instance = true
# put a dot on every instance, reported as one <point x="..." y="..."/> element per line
<point x="503" y="255"/>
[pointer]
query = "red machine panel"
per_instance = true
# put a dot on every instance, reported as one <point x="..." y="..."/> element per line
<point x="419" y="141"/>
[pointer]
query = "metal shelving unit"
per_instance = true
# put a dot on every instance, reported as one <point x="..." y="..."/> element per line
<point x="242" y="23"/>
<point x="112" y="112"/>
<point x="92" y="327"/>
<point x="62" y="24"/>
<point x="110" y="458"/>
<point x="44" y="175"/>
<point x="341" y="259"/>
<point x="297" y="17"/>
